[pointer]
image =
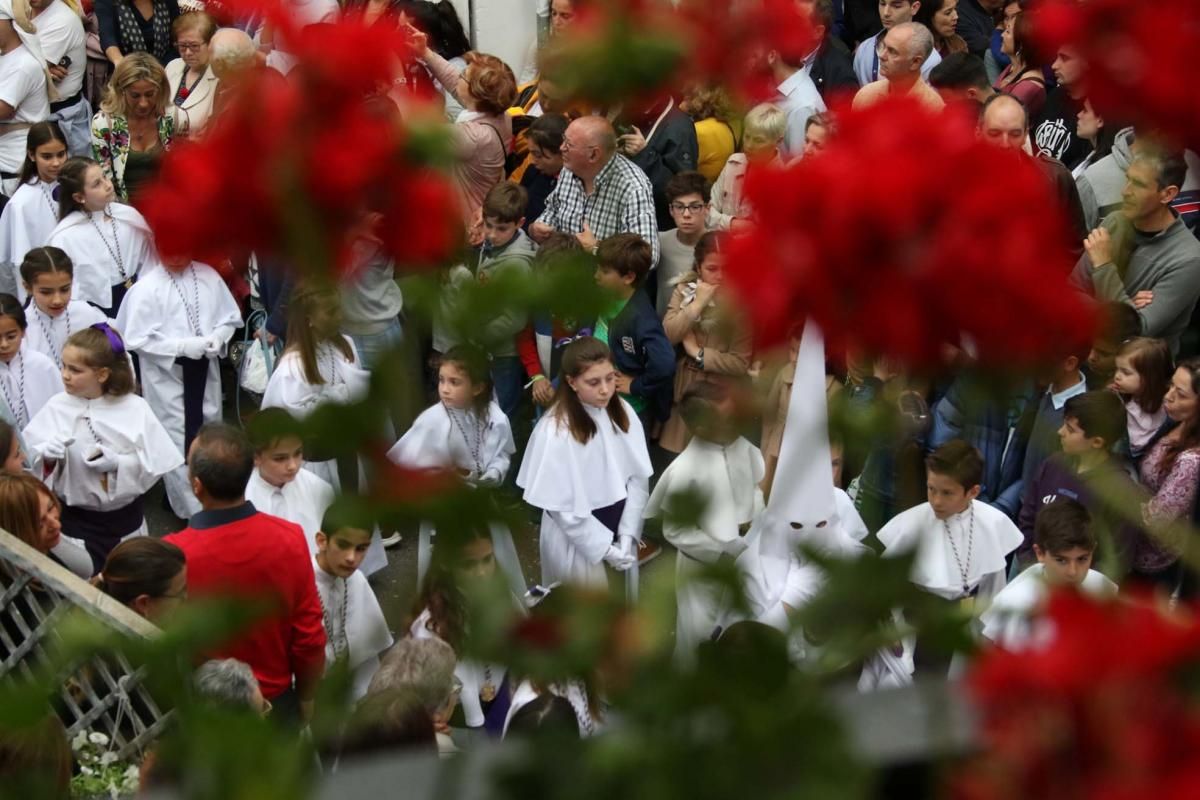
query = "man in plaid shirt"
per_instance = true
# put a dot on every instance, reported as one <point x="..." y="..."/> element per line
<point x="599" y="192"/>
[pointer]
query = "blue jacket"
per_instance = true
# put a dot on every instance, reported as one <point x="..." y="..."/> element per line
<point x="641" y="350"/>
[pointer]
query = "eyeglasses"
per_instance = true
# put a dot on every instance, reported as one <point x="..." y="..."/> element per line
<point x="189" y="47"/>
<point x="691" y="208"/>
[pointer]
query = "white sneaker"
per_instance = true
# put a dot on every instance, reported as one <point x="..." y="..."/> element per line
<point x="393" y="540"/>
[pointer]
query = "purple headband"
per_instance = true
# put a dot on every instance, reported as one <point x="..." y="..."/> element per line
<point x="114" y="338"/>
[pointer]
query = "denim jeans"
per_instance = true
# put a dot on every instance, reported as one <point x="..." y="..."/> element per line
<point x="372" y="346"/>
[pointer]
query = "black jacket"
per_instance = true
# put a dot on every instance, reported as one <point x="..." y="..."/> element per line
<point x="642" y="351"/>
<point x="670" y="150"/>
<point x="833" y="70"/>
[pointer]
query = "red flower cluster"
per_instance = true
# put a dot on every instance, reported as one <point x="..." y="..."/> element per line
<point x="1107" y="711"/>
<point x="907" y="232"/>
<point x="1141" y="59"/>
<point x="292" y="167"/>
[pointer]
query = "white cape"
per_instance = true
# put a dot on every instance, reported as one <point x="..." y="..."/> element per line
<point x="366" y="633"/>
<point x="95" y="271"/>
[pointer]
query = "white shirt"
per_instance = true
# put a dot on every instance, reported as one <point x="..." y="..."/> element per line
<point x="60" y="32"/>
<point x="1010" y="621"/>
<point x="303" y="501"/>
<point x="22" y="86"/>
<point x="799" y="99"/>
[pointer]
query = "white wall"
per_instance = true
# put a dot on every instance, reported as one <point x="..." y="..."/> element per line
<point x="504" y="28"/>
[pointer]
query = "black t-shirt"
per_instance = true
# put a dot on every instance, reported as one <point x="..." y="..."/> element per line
<point x="1053" y="132"/>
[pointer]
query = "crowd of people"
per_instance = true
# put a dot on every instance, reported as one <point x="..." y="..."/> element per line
<point x="110" y="358"/>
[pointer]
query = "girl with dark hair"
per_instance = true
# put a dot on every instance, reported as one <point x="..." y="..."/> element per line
<point x="588" y="469"/>
<point x="439" y="21"/>
<point x="1143" y="370"/>
<point x="99" y="445"/>
<point x="147" y="575"/>
<point x="1091" y="126"/>
<point x="28" y="379"/>
<point x="941" y="17"/>
<point x="32" y="211"/>
<point x="1024" y="77"/>
<point x="47" y="276"/>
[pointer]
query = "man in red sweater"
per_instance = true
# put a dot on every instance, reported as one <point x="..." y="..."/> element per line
<point x="232" y="549"/>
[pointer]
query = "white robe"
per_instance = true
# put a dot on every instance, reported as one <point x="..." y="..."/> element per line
<point x="435" y="442"/>
<point x="345" y="382"/>
<point x="158" y="311"/>
<point x="1011" y="621"/>
<point x="473" y="674"/>
<point x="28" y="382"/>
<point x="569" y="480"/>
<point x="727" y="480"/>
<point x="48" y="335"/>
<point x="364" y="634"/>
<point x="26" y="223"/>
<point x="303" y="500"/>
<point x="95" y="270"/>
<point x="126" y="426"/>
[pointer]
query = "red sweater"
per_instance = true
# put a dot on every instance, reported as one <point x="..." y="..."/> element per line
<point x="241" y="552"/>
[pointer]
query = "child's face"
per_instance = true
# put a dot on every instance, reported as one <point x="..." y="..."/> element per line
<point x="545" y="161"/>
<point x="455" y="388"/>
<point x="79" y="379"/>
<point x="690" y="213"/>
<point x="49" y="522"/>
<point x="1074" y="441"/>
<point x="343" y="552"/>
<point x="609" y="279"/>
<point x="1065" y="568"/>
<point x="712" y="269"/>
<point x="14" y="464"/>
<point x="49" y="158"/>
<point x="97" y="190"/>
<point x="947" y="496"/>
<point x="499" y="233"/>
<point x="478" y="561"/>
<point x="10" y="338"/>
<point x="51" y="291"/>
<point x="279" y="463"/>
<point x="1126" y="379"/>
<point x="596" y="385"/>
<point x="835" y="458"/>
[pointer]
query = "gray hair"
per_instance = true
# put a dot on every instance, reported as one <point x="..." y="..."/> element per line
<point x="226" y="682"/>
<point x="424" y="667"/>
<point x="231" y="50"/>
<point x="920" y="42"/>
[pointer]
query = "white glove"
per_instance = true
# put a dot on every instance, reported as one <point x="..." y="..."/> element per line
<point x="618" y="559"/>
<point x="101" y="460"/>
<point x="489" y="478"/>
<point x="734" y="548"/>
<point x="56" y="448"/>
<point x="212" y="346"/>
<point x="628" y="546"/>
<point x="191" y="347"/>
<point x="338" y="393"/>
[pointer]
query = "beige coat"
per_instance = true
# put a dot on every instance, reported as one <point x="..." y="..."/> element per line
<point x="194" y="113"/>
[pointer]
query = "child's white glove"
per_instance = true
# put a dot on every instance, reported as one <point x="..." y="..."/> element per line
<point x="102" y="460"/>
<point x="618" y="559"/>
<point x="191" y="347"/>
<point x="56" y="448"/>
<point x="629" y="546"/>
<point x="212" y="346"/>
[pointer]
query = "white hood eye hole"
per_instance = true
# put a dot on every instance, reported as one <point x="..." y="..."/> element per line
<point x="822" y="523"/>
<point x="797" y="526"/>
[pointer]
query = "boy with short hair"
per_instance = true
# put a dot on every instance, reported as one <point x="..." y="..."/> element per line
<point x="1064" y="544"/>
<point x="688" y="195"/>
<point x="642" y="354"/>
<point x="280" y="485"/>
<point x="355" y="628"/>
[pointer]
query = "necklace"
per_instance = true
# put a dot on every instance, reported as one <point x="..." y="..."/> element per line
<point x="49" y="199"/>
<point x="193" y="309"/>
<point x="963" y="571"/>
<point x="48" y="333"/>
<point x="335" y="374"/>
<point x="341" y="645"/>
<point x="115" y="250"/>
<point x="582" y="712"/>
<point x="21" y="411"/>
<point x="474" y="448"/>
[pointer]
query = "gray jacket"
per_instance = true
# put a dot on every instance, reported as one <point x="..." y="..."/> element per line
<point x="1101" y="183"/>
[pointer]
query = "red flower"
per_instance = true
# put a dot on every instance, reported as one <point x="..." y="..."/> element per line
<point x="183" y="92"/>
<point x="907" y="233"/>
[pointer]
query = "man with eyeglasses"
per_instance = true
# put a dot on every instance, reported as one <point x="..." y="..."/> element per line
<point x="901" y="53"/>
<point x="64" y="46"/>
<point x="599" y="193"/>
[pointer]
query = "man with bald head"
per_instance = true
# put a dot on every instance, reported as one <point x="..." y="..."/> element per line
<point x="599" y="193"/>
<point x="902" y="52"/>
<point x="1005" y="123"/>
<point x="232" y="55"/>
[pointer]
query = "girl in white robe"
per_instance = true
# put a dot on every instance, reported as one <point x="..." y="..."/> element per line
<point x="320" y="366"/>
<point x="467" y="432"/>
<point x="588" y="469"/>
<point x="355" y="628"/>
<point x="179" y="320"/>
<point x="28" y="379"/>
<point x="32" y="211"/>
<point x="98" y="444"/>
<point x="109" y="243"/>
<point x="47" y="276"/>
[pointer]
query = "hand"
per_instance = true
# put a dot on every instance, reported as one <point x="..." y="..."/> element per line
<point x="263" y="333"/>
<point x="56" y="448"/>
<point x="616" y="558"/>
<point x="1143" y="298"/>
<point x="704" y="295"/>
<point x="418" y="40"/>
<point x="57" y="72"/>
<point x="101" y="460"/>
<point x="491" y="477"/>
<point x="690" y="345"/>
<point x="624" y="383"/>
<point x="543" y="393"/>
<point x="540" y="231"/>
<point x="587" y="239"/>
<point x="212" y="346"/>
<point x="632" y="143"/>
<point x="1098" y="245"/>
<point x="191" y="347"/>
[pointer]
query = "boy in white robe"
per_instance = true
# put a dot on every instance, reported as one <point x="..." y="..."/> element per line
<point x="1064" y="544"/>
<point x="723" y="471"/>
<point x="279" y="485"/>
<point x="354" y="624"/>
<point x="179" y="320"/>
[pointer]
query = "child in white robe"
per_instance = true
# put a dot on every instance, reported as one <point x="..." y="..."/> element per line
<point x="279" y="485"/>
<point x="110" y="243"/>
<point x="32" y="212"/>
<point x="588" y="469"/>
<point x="723" y="471"/>
<point x="28" y="379"/>
<point x="320" y="367"/>
<point x="47" y="276"/>
<point x="99" y="445"/>
<point x="179" y="320"/>
<point x="1064" y="544"/>
<point x="467" y="432"/>
<point x="354" y="624"/>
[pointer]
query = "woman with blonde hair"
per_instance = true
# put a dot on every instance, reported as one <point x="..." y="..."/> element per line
<point x="765" y="127"/>
<point x="133" y="127"/>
